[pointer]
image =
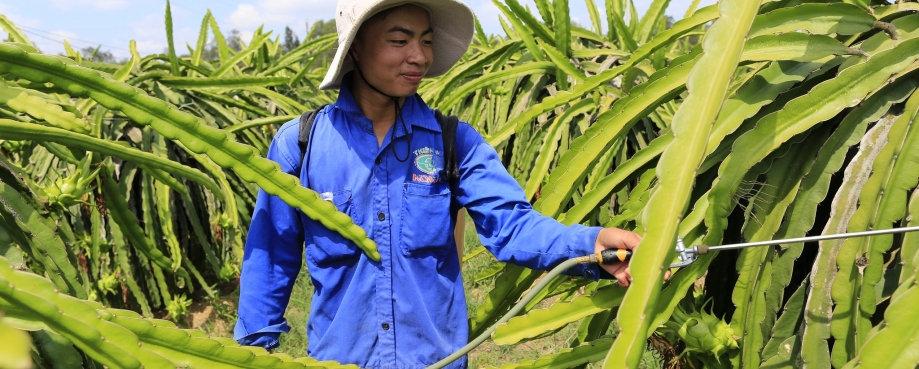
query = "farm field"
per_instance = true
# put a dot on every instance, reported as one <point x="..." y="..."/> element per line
<point x="126" y="189"/>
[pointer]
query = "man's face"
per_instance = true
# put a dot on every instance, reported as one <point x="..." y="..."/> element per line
<point x="395" y="49"/>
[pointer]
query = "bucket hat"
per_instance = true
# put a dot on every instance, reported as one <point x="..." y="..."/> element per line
<point x="452" y="21"/>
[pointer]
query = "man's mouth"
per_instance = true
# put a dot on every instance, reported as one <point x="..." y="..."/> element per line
<point x="413" y="77"/>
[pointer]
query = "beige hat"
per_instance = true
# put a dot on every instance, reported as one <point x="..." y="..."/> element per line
<point x="452" y="21"/>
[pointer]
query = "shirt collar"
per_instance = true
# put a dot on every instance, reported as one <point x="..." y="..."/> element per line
<point x="414" y="110"/>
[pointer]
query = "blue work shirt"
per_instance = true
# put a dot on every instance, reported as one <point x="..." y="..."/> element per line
<point x="409" y="309"/>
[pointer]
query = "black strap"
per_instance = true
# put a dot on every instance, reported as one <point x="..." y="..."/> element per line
<point x="306" y="128"/>
<point x="448" y="126"/>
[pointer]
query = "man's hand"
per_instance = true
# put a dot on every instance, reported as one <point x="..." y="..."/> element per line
<point x="615" y="238"/>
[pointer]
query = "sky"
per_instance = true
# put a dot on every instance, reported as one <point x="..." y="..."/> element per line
<point x="114" y="23"/>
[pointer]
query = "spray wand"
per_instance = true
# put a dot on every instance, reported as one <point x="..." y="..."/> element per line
<point x="686" y="255"/>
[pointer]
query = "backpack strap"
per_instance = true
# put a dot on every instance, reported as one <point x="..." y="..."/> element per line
<point x="306" y="129"/>
<point x="448" y="126"/>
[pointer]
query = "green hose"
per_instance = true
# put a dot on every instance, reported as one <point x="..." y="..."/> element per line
<point x="510" y="314"/>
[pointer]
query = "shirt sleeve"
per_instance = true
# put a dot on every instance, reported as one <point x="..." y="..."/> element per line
<point x="506" y="222"/>
<point x="273" y="255"/>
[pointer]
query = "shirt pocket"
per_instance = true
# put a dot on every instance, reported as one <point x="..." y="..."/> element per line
<point x="330" y="246"/>
<point x="425" y="218"/>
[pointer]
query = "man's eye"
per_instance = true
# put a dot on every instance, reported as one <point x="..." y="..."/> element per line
<point x="428" y="42"/>
<point x="399" y="42"/>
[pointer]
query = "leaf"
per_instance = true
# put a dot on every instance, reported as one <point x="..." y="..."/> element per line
<point x="128" y="224"/>
<point x="558" y="315"/>
<point x="489" y="79"/>
<point x="622" y="31"/>
<point x="864" y="4"/>
<point x="14" y="353"/>
<point x="532" y="25"/>
<point x="896" y="345"/>
<point x="785" y="326"/>
<point x="230" y="102"/>
<point x="562" y="25"/>
<point x="708" y="84"/>
<point x="221" y="83"/>
<point x="823" y="19"/>
<point x="566" y="358"/>
<point x="911" y="241"/>
<point x="819" y="306"/>
<point x="881" y="203"/>
<point x="20" y="100"/>
<point x="261" y="122"/>
<point x="653" y="16"/>
<point x="227" y="65"/>
<point x="173" y="59"/>
<point x="311" y="49"/>
<point x="549" y="146"/>
<point x="793" y="46"/>
<point x="907" y="28"/>
<point x="18" y="131"/>
<point x="14" y="32"/>
<point x="202" y="40"/>
<point x="885" y="11"/>
<point x="493" y="270"/>
<point x="755" y="265"/>
<point x="121" y="254"/>
<point x="594" y="14"/>
<point x="31" y="219"/>
<point x="565" y="67"/>
<point x="509" y="286"/>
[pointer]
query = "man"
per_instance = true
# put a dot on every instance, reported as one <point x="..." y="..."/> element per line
<point x="377" y="154"/>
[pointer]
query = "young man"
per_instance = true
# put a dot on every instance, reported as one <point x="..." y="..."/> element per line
<point x="377" y="154"/>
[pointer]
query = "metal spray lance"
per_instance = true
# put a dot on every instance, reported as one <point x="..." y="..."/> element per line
<point x="686" y="255"/>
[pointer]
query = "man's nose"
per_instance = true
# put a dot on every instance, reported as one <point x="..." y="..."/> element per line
<point x="416" y="54"/>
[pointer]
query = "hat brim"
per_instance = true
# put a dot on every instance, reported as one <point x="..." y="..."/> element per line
<point x="453" y="24"/>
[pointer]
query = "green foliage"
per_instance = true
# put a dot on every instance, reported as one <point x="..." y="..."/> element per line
<point x="15" y="351"/>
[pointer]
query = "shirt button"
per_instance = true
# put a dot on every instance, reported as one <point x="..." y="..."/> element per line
<point x="385" y="326"/>
<point x="380" y="160"/>
<point x="381" y="216"/>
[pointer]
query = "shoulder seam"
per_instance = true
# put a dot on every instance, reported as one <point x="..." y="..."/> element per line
<point x="282" y="146"/>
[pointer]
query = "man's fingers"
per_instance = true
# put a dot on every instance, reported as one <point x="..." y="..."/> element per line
<point x="617" y="238"/>
<point x="629" y="239"/>
<point x="623" y="276"/>
<point x="613" y="269"/>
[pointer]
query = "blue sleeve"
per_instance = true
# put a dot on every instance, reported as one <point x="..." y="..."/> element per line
<point x="506" y="222"/>
<point x="272" y="257"/>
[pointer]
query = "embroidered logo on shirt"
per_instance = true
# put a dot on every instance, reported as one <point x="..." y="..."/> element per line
<point x="425" y="163"/>
<point x="423" y="178"/>
<point x="428" y="161"/>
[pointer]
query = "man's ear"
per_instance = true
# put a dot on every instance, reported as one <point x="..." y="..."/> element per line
<point x="352" y="52"/>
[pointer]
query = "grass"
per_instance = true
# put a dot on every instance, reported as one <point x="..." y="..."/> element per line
<point x="220" y="316"/>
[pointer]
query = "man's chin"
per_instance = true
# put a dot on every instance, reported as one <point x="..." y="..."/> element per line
<point x="406" y="91"/>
